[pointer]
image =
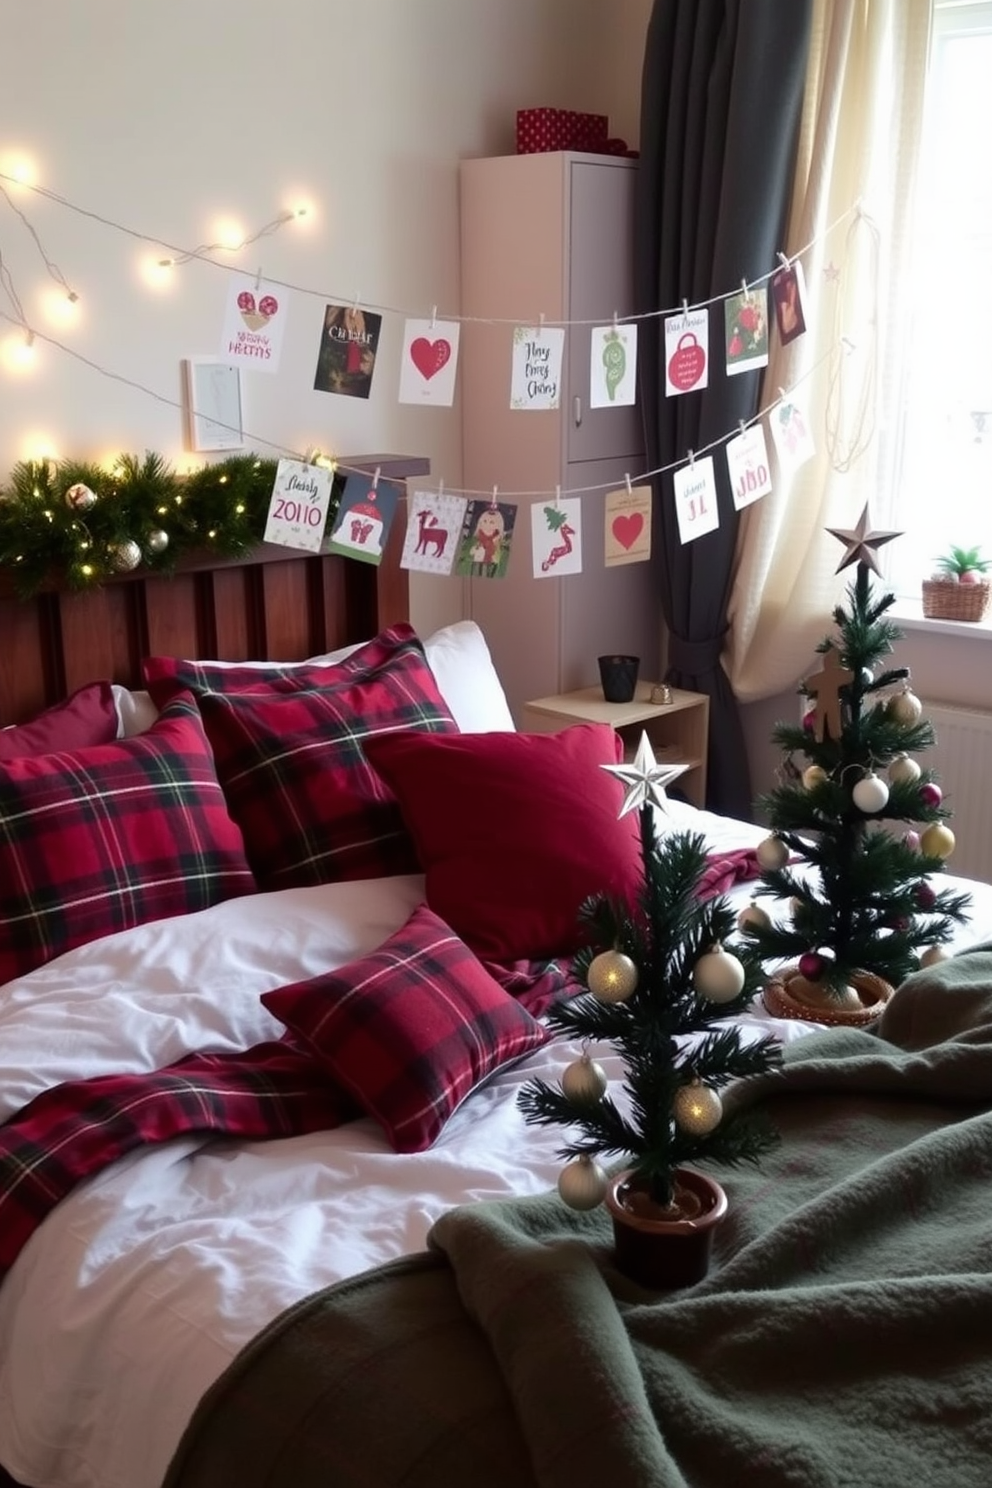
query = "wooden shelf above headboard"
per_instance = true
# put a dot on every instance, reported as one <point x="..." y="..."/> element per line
<point x="275" y="604"/>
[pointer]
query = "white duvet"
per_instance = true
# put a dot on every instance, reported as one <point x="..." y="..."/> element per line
<point x="142" y="1285"/>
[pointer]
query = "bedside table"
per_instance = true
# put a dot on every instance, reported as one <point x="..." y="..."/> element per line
<point x="678" y="731"/>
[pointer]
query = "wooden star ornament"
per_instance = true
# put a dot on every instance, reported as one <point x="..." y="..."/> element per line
<point x="645" y="779"/>
<point x="861" y="543"/>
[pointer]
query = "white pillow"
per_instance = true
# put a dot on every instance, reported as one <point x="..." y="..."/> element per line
<point x="457" y="655"/>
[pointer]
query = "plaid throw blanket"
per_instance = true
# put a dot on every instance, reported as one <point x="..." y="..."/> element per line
<point x="73" y="1130"/>
<point x="843" y="1336"/>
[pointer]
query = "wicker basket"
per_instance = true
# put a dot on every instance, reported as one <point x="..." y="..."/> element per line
<point x="945" y="600"/>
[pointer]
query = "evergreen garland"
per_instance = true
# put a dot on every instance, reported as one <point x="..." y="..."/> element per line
<point x="219" y="509"/>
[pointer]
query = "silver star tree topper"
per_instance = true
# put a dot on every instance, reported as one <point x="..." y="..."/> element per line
<point x="645" y="779"/>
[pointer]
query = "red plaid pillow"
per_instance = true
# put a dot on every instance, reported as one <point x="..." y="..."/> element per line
<point x="290" y="754"/>
<point x="515" y="831"/>
<point x="411" y="1029"/>
<point x="107" y="838"/>
<point x="87" y="717"/>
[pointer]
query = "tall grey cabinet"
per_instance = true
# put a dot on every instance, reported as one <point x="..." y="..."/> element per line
<point x="551" y="235"/>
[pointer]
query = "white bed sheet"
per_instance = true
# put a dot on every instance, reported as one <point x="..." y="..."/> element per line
<point x="141" y="1286"/>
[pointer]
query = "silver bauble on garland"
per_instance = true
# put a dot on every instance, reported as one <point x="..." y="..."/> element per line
<point x="157" y="541"/>
<point x="584" y="1081"/>
<point x="79" y="497"/>
<point x="122" y="557"/>
<point x="582" y="1184"/>
<point x="611" y="977"/>
<point x="697" y="1109"/>
<point x="718" y="976"/>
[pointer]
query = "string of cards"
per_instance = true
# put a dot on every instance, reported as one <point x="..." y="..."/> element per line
<point x="453" y="533"/>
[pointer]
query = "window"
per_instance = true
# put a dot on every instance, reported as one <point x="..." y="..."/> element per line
<point x="943" y="480"/>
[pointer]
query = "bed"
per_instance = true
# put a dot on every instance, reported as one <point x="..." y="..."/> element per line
<point x="229" y="1256"/>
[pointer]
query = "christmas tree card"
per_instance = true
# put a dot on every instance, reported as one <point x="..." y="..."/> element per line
<point x="556" y="537"/>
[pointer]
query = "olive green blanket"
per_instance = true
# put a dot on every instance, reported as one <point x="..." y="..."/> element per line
<point x="842" y="1337"/>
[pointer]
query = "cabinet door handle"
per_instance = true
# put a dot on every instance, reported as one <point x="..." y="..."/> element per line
<point x="577" y="410"/>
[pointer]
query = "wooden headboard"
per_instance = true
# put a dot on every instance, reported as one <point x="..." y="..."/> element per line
<point x="276" y="604"/>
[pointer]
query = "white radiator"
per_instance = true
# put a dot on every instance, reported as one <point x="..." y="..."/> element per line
<point x="962" y="761"/>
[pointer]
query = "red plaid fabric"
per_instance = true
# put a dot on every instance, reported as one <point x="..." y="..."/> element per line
<point x="290" y="754"/>
<point x="74" y="1130"/>
<point x="411" y="1029"/>
<point x="106" y="838"/>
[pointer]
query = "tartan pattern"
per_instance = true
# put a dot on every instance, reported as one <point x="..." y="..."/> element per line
<point x="411" y="1029"/>
<point x="88" y="716"/>
<point x="290" y="755"/>
<point x="110" y="837"/>
<point x="78" y="1128"/>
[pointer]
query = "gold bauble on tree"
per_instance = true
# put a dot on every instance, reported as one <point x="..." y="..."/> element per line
<point x="814" y="775"/>
<point x="584" y="1081"/>
<point x="937" y="841"/>
<point x="904" y="707"/>
<point x="612" y="976"/>
<point x="754" y="916"/>
<point x="772" y="853"/>
<point x="903" y="770"/>
<point x="582" y="1183"/>
<point x="697" y="1109"/>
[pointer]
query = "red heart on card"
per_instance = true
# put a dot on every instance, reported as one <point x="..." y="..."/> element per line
<point x="429" y="356"/>
<point x="628" y="529"/>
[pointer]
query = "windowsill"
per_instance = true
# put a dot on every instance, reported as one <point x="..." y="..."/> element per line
<point x="908" y="615"/>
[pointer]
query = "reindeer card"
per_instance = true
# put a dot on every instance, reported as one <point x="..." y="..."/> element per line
<point x="433" y="527"/>
<point x="556" y="537"/>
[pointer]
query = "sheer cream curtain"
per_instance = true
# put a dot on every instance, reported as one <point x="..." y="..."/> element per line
<point x="852" y="202"/>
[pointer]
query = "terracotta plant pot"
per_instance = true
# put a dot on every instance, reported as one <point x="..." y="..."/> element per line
<point x="789" y="995"/>
<point x="659" y="1248"/>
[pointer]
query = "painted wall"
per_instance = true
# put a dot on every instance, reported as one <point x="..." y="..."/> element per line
<point x="159" y="124"/>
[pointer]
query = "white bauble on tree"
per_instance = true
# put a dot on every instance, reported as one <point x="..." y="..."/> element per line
<point x="933" y="955"/>
<point x="718" y="976"/>
<point x="122" y="557"/>
<point x="870" y="793"/>
<point x="584" y="1081"/>
<point x="582" y="1184"/>
<point x="612" y="976"/>
<point x="697" y="1109"/>
<point x="772" y="853"/>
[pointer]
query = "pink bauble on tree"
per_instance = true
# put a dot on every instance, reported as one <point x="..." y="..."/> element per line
<point x="811" y="965"/>
<point x="931" y="793"/>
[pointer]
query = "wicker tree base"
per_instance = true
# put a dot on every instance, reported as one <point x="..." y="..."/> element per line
<point x="790" y="995"/>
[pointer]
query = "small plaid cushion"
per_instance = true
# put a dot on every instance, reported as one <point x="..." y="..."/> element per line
<point x="98" y="840"/>
<point x="290" y="755"/>
<point x="410" y="1030"/>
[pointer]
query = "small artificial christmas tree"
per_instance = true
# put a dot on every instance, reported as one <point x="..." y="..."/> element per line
<point x="860" y="897"/>
<point x="658" y="985"/>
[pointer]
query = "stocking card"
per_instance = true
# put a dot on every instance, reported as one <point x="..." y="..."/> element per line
<point x="536" y="375"/>
<point x="791" y="433"/>
<point x="628" y="526"/>
<point x="613" y="366"/>
<point x="428" y="362"/>
<point x="695" y="499"/>
<point x="432" y="530"/>
<point x="687" y="347"/>
<point x="556" y="537"/>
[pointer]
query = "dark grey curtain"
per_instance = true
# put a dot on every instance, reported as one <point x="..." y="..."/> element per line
<point x="722" y="93"/>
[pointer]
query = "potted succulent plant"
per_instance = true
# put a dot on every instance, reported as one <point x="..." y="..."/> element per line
<point x="958" y="588"/>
